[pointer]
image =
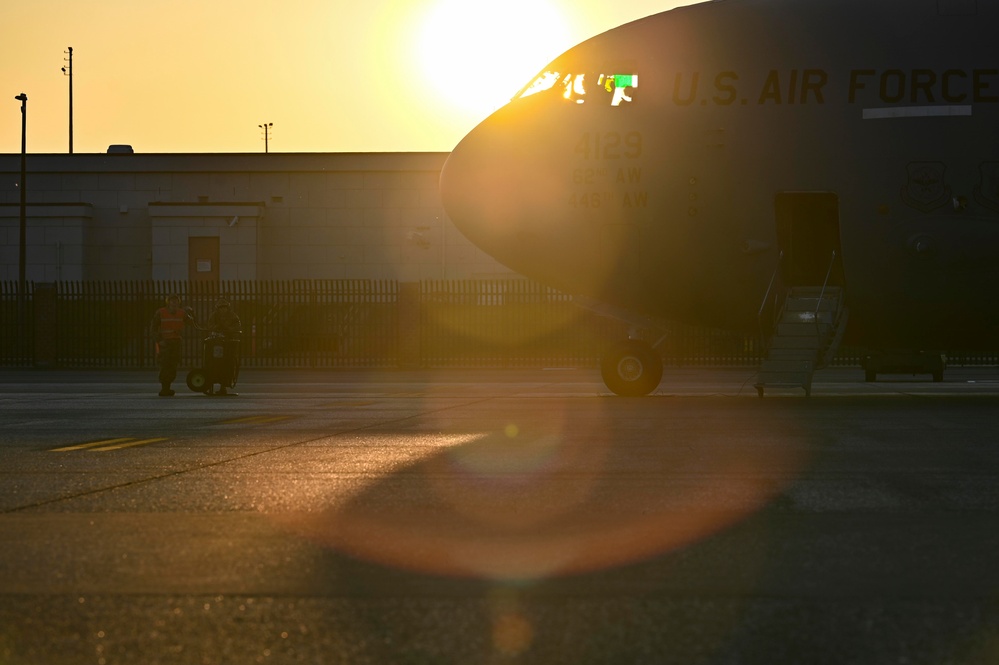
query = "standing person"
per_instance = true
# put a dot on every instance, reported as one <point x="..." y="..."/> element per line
<point x="225" y="322"/>
<point x="167" y="329"/>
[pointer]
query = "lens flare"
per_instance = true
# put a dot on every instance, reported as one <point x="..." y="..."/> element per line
<point x="564" y="496"/>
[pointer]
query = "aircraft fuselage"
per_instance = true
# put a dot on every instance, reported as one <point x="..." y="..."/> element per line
<point x="676" y="163"/>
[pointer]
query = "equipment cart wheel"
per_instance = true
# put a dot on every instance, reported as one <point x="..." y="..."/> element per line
<point x="197" y="380"/>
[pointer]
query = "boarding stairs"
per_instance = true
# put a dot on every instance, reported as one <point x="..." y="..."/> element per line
<point x="807" y="330"/>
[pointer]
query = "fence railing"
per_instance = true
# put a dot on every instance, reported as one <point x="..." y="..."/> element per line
<point x="507" y="323"/>
<point x="345" y="323"/>
<point x="17" y="316"/>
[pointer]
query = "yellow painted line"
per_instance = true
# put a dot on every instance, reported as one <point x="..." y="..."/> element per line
<point x="129" y="444"/>
<point x="246" y="419"/>
<point x="271" y="419"/>
<point x="92" y="444"/>
<point x="256" y="420"/>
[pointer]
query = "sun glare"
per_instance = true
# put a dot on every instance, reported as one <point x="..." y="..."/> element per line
<point x="477" y="55"/>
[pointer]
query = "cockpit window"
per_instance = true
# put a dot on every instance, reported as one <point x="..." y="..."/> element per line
<point x="544" y="82"/>
<point x="612" y="89"/>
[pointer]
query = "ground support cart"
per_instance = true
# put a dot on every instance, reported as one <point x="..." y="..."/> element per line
<point x="221" y="365"/>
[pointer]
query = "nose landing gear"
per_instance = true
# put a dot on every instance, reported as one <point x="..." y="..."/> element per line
<point x="631" y="368"/>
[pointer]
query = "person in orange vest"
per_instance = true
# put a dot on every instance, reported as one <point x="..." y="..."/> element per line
<point x="167" y="330"/>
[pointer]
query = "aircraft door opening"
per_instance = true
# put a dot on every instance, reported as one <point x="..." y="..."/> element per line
<point x="808" y="234"/>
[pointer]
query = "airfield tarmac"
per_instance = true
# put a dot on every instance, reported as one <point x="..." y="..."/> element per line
<point x="499" y="517"/>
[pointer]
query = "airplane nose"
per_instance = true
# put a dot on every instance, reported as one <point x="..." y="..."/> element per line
<point x="469" y="183"/>
<point x="505" y="188"/>
<point x="454" y="188"/>
<point x="498" y="190"/>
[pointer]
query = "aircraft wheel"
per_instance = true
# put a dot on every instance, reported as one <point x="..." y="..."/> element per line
<point x="632" y="369"/>
<point x="197" y="380"/>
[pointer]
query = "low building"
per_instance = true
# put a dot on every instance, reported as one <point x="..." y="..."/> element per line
<point x="259" y="216"/>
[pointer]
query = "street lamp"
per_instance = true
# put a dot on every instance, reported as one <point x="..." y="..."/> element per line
<point x="68" y="71"/>
<point x="266" y="127"/>
<point x="23" y="248"/>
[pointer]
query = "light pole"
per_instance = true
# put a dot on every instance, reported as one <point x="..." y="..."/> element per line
<point x="23" y="248"/>
<point x="68" y="71"/>
<point x="266" y="127"/>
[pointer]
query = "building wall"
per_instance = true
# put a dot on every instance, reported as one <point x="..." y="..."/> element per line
<point x="234" y="224"/>
<point x="54" y="241"/>
<point x="277" y="216"/>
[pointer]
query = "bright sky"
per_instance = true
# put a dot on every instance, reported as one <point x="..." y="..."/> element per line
<point x="331" y="75"/>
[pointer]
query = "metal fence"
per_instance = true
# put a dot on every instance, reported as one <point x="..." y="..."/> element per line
<point x="507" y="323"/>
<point x="346" y="323"/>
<point x="302" y="323"/>
<point x="17" y="315"/>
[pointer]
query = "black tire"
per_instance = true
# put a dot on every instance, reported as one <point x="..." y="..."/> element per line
<point x="870" y="375"/>
<point x="197" y="380"/>
<point x="938" y="376"/>
<point x="631" y="369"/>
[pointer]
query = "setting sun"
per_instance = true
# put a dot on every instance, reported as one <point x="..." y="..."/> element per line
<point x="477" y="55"/>
<point x="375" y="76"/>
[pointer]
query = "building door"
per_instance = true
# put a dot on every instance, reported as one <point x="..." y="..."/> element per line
<point x="203" y="259"/>
<point x="808" y="235"/>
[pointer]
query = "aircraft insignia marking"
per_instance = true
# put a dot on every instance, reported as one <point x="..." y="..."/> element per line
<point x="987" y="191"/>
<point x="926" y="188"/>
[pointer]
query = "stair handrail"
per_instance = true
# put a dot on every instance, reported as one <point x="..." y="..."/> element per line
<point x="822" y="294"/>
<point x="766" y="298"/>
<point x="818" y="305"/>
